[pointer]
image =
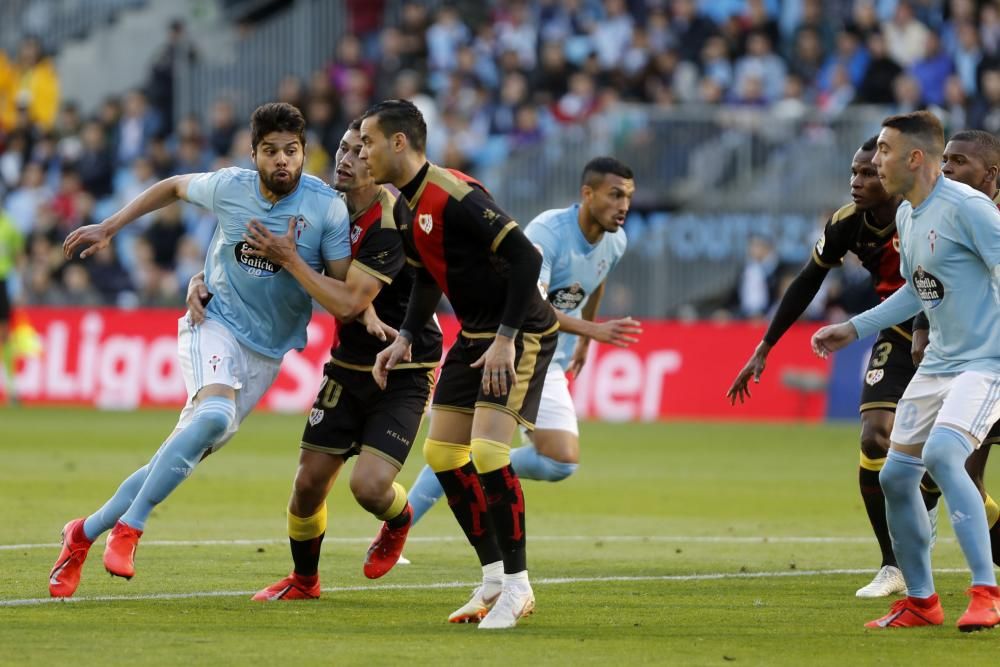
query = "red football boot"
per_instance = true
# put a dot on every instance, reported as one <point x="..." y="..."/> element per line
<point x="292" y="587"/>
<point x="984" y="609"/>
<point x="119" y="554"/>
<point x="388" y="545"/>
<point x="65" y="574"/>
<point x="911" y="613"/>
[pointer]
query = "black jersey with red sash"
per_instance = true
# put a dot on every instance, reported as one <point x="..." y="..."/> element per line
<point x="376" y="249"/>
<point x="451" y="229"/>
<point x="852" y="230"/>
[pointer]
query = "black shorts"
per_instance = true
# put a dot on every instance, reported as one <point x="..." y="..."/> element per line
<point x="460" y="387"/>
<point x="4" y="302"/>
<point x="889" y="371"/>
<point x="352" y="414"/>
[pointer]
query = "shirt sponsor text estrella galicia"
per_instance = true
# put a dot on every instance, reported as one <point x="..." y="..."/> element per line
<point x="567" y="298"/>
<point x="255" y="266"/>
<point x="928" y="287"/>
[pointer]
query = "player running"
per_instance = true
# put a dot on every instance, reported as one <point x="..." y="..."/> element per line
<point x="352" y="415"/>
<point x="580" y="246"/>
<point x="950" y="257"/>
<point x="258" y="312"/>
<point x="463" y="245"/>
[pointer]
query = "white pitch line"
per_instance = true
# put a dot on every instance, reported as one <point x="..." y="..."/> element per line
<point x="710" y="539"/>
<point x="461" y="584"/>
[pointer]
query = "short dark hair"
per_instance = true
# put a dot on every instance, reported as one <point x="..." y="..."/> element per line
<point x="987" y="145"/>
<point x="922" y="127"/>
<point x="871" y="143"/>
<point x="599" y="167"/>
<point x="355" y="125"/>
<point x="276" y="117"/>
<point x="400" y="116"/>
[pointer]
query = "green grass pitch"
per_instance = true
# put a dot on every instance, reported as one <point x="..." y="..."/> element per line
<point x="674" y="544"/>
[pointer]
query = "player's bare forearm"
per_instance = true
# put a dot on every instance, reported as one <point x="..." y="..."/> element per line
<point x="345" y="300"/>
<point x="575" y="325"/>
<point x="151" y="199"/>
<point x="92" y="238"/>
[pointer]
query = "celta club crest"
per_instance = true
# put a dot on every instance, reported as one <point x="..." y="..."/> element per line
<point x="426" y="222"/>
<point x="300" y="226"/>
<point x="214" y="361"/>
<point x="932" y="237"/>
<point x="602" y="266"/>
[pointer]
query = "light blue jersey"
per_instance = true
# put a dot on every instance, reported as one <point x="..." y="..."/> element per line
<point x="571" y="266"/>
<point x="263" y="306"/>
<point x="950" y="259"/>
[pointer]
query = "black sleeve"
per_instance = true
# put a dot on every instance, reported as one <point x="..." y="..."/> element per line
<point x="508" y="241"/>
<point x="424" y="298"/>
<point x="525" y="265"/>
<point x="796" y="299"/>
<point x="920" y="321"/>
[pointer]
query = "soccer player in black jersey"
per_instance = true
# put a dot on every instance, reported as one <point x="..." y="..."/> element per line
<point x="351" y="415"/>
<point x="867" y="227"/>
<point x="463" y="245"/>
<point x="971" y="157"/>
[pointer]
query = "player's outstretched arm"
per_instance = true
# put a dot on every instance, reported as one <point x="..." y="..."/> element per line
<point x="619" y="332"/>
<point x="344" y="299"/>
<point x="92" y="238"/>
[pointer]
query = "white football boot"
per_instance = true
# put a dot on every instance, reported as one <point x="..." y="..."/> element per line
<point x="888" y="581"/>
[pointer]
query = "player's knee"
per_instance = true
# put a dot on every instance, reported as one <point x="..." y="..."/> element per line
<point x="442" y="456"/>
<point x="560" y="470"/>
<point x="893" y="479"/>
<point x="945" y="452"/>
<point x="874" y="443"/>
<point x="308" y="490"/>
<point x="370" y="492"/>
<point x="490" y="455"/>
<point x="214" y="417"/>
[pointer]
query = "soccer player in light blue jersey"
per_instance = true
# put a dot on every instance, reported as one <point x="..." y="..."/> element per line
<point x="580" y="245"/>
<point x="256" y="314"/>
<point x="950" y="258"/>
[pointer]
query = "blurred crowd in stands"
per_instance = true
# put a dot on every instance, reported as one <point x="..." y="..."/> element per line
<point x="491" y="77"/>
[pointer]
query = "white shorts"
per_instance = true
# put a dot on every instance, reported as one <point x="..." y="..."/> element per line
<point x="210" y="354"/>
<point x="969" y="400"/>
<point x="556" y="410"/>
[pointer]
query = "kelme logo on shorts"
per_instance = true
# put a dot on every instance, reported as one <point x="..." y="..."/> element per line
<point x="928" y="287"/>
<point x="255" y="266"/>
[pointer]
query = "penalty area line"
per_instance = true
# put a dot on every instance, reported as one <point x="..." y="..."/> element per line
<point x="545" y="581"/>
